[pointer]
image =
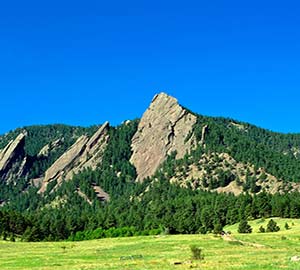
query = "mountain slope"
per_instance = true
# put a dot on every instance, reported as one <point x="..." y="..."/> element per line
<point x="172" y="170"/>
<point x="214" y="153"/>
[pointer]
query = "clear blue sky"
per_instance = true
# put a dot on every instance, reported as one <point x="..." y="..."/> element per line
<point x="84" y="62"/>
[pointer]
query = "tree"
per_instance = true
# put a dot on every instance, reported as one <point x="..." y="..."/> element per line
<point x="207" y="218"/>
<point x="218" y="228"/>
<point x="272" y="226"/>
<point x="31" y="235"/>
<point x="286" y="226"/>
<point x="244" y="227"/>
<point x="262" y="229"/>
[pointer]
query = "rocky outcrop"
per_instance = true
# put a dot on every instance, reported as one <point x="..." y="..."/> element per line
<point x="203" y="133"/>
<point x="84" y="153"/>
<point x="165" y="127"/>
<point x="101" y="194"/>
<point x="12" y="150"/>
<point x="64" y="163"/>
<point x="13" y="160"/>
<point x="220" y="172"/>
<point x="44" y="152"/>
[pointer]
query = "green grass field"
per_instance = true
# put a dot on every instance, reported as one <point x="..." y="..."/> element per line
<point x="241" y="251"/>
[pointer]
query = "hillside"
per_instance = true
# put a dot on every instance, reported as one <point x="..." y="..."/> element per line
<point x="172" y="168"/>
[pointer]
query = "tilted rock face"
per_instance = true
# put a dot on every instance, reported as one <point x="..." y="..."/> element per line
<point x="11" y="150"/>
<point x="84" y="153"/>
<point x="164" y="128"/>
<point x="13" y="159"/>
<point x="44" y="152"/>
<point x="93" y="152"/>
<point x="64" y="163"/>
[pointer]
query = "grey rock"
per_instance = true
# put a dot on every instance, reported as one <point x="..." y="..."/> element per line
<point x="84" y="153"/>
<point x="13" y="160"/>
<point x="164" y="128"/>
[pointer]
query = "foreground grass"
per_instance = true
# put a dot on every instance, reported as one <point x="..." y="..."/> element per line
<point x="257" y="251"/>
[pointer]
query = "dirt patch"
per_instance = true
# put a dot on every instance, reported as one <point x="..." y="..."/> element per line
<point x="230" y="238"/>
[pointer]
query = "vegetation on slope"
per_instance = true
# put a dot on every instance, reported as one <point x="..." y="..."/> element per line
<point x="277" y="153"/>
<point x="156" y="203"/>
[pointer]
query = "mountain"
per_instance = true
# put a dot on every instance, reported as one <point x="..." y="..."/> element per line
<point x="233" y="155"/>
<point x="169" y="150"/>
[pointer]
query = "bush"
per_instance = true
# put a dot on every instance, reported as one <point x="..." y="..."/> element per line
<point x="262" y="229"/>
<point x="155" y="231"/>
<point x="196" y="253"/>
<point x="286" y="226"/>
<point x="202" y="230"/>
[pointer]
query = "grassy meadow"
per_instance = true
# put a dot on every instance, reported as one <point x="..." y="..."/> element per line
<point x="238" y="251"/>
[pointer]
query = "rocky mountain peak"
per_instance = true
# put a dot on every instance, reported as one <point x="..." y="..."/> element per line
<point x="163" y="97"/>
<point x="164" y="128"/>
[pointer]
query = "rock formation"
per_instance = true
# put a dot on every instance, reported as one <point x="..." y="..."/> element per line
<point x="44" y="152"/>
<point x="84" y="153"/>
<point x="203" y="133"/>
<point x="101" y="194"/>
<point x="164" y="128"/>
<point x="13" y="159"/>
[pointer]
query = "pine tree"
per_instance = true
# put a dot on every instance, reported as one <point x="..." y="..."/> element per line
<point x="244" y="227"/>
<point x="272" y="226"/>
<point x="262" y="229"/>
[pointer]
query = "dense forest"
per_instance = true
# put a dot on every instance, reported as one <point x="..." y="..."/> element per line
<point x="162" y="208"/>
<point x="155" y="205"/>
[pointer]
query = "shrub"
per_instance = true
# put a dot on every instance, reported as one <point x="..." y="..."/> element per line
<point x="286" y="226"/>
<point x="196" y="253"/>
<point x="262" y="229"/>
<point x="202" y="230"/>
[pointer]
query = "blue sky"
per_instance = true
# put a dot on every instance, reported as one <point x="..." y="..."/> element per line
<point x="85" y="62"/>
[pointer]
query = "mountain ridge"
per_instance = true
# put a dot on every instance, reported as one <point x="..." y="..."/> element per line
<point x="165" y="127"/>
<point x="171" y="169"/>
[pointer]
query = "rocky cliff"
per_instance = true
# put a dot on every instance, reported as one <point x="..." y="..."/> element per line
<point x="164" y="128"/>
<point x="13" y="160"/>
<point x="84" y="153"/>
